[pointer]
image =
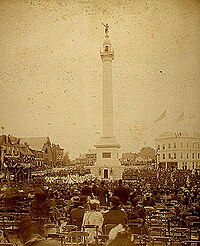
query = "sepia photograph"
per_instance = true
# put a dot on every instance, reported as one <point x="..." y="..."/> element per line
<point x="99" y="122"/>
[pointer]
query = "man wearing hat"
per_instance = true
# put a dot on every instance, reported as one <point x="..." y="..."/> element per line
<point x="115" y="215"/>
<point x="76" y="214"/>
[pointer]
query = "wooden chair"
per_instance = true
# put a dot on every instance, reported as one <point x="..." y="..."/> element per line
<point x="160" y="240"/>
<point x="135" y="226"/>
<point x="157" y="231"/>
<point x="53" y="232"/>
<point x="193" y="224"/>
<point x="78" y="238"/>
<point x="94" y="228"/>
<point x="191" y="242"/>
<point x="108" y="227"/>
<point x="6" y="244"/>
<point x="64" y="232"/>
<point x="180" y="234"/>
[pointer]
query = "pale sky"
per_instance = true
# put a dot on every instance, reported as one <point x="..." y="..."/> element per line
<point x="51" y="70"/>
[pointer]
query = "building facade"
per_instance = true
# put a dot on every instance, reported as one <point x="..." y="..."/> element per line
<point x="179" y="150"/>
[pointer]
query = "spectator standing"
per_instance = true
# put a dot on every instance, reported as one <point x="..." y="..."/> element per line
<point x="122" y="192"/>
<point x="102" y="194"/>
<point x="86" y="190"/>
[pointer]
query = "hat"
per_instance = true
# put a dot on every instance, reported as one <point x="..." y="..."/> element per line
<point x="115" y="200"/>
<point x="75" y="199"/>
<point x="83" y="199"/>
<point x="94" y="201"/>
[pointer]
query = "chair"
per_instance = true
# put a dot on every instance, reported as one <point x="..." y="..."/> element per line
<point x="157" y="231"/>
<point x="192" y="223"/>
<point x="180" y="234"/>
<point x="92" y="229"/>
<point x="64" y="232"/>
<point x="53" y="231"/>
<point x="78" y="238"/>
<point x="108" y="227"/>
<point x="135" y="226"/>
<point x="159" y="240"/>
<point x="6" y="244"/>
<point x="191" y="242"/>
<point x="68" y="228"/>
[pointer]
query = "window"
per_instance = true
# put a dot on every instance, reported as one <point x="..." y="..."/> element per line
<point x="187" y="145"/>
<point x="174" y="145"/>
<point x="169" y="156"/>
<point x="46" y="151"/>
<point x="198" y="145"/>
<point x="193" y="145"/>
<point x="174" y="155"/>
<point x="184" y="166"/>
<point x="158" y="147"/>
<point x="187" y="156"/>
<point x="193" y="155"/>
<point x="106" y="155"/>
<point x="181" y="155"/>
<point x="181" y="145"/>
<point x="163" y="146"/>
<point x="198" y="155"/>
<point x="169" y="146"/>
<point x="192" y="165"/>
<point x="163" y="156"/>
<point x="106" y="48"/>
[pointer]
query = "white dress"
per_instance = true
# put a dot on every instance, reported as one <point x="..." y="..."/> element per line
<point x="93" y="218"/>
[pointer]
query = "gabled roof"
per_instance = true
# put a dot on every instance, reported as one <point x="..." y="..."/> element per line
<point x="35" y="143"/>
<point x="26" y="151"/>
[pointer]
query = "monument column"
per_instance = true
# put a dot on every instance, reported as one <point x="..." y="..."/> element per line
<point x="107" y="165"/>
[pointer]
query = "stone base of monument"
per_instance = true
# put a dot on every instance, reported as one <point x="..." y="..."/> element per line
<point x="107" y="172"/>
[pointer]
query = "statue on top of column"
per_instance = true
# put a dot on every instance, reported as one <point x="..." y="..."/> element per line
<point x="106" y="29"/>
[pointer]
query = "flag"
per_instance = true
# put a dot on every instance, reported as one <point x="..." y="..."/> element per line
<point x="162" y="116"/>
<point x="181" y="117"/>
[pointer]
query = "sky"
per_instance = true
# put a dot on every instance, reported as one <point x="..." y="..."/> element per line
<point x="51" y="70"/>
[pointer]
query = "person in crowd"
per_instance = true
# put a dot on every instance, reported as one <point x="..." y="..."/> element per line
<point x="86" y="189"/>
<point x="115" y="215"/>
<point x="93" y="217"/>
<point x="122" y="192"/>
<point x="76" y="214"/>
<point x="41" y="206"/>
<point x="102" y="194"/>
<point x="119" y="236"/>
<point x="32" y="233"/>
<point x="138" y="212"/>
<point x="148" y="201"/>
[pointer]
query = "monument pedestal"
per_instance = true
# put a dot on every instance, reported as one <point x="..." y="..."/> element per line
<point x="108" y="165"/>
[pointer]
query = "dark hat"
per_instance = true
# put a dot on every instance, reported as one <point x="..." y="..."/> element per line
<point x="115" y="200"/>
<point x="83" y="199"/>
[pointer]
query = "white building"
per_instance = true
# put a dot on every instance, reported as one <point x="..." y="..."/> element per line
<point x="179" y="150"/>
<point x="107" y="165"/>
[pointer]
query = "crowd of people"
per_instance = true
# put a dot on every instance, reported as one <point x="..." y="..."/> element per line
<point x="100" y="203"/>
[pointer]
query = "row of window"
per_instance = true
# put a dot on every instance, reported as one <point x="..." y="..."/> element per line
<point x="12" y="150"/>
<point x="185" y="165"/>
<point x="108" y="155"/>
<point x="174" y="145"/>
<point x="173" y="156"/>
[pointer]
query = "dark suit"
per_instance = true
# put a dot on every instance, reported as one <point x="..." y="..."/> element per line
<point x="122" y="193"/>
<point x="115" y="216"/>
<point x="76" y="216"/>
